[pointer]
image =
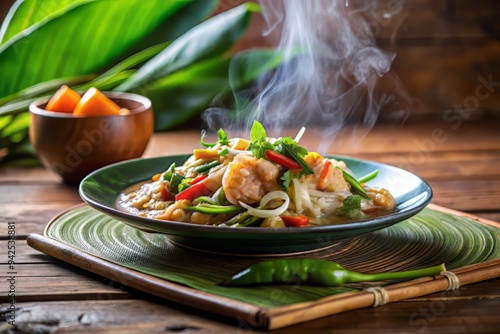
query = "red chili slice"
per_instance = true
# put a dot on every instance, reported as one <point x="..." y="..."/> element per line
<point x="295" y="221"/>
<point x="193" y="192"/>
<point x="197" y="179"/>
<point x="166" y="195"/>
<point x="280" y="159"/>
<point x="323" y="177"/>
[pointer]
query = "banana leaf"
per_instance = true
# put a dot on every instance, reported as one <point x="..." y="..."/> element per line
<point x="183" y="94"/>
<point x="180" y="96"/>
<point x="26" y="13"/>
<point x="208" y="39"/>
<point x="429" y="238"/>
<point x="71" y="43"/>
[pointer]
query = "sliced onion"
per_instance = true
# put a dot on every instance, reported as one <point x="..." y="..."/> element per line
<point x="233" y="151"/>
<point x="296" y="193"/>
<point x="317" y="193"/>
<point x="262" y="213"/>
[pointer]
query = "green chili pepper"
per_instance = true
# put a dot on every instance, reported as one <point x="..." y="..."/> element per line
<point x="185" y="183"/>
<point x="175" y="181"/>
<point x="168" y="174"/>
<point x="239" y="218"/>
<point x="207" y="166"/>
<point x="317" y="272"/>
<point x="355" y="184"/>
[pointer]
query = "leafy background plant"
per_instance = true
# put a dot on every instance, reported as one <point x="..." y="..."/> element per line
<point x="166" y="50"/>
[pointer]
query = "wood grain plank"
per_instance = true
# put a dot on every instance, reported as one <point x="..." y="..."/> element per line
<point x="10" y="174"/>
<point x="467" y="195"/>
<point x="59" y="281"/>
<point x="31" y="193"/>
<point x="118" y="316"/>
<point x="23" y="229"/>
<point x="132" y="316"/>
<point x="459" y="165"/>
<point x="24" y="254"/>
<point x="24" y="212"/>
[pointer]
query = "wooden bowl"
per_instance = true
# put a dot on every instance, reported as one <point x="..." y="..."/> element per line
<point x="74" y="146"/>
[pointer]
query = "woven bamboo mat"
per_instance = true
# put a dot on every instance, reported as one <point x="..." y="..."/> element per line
<point x="468" y="245"/>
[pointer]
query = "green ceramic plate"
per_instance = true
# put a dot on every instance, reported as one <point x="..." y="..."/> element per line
<point x="102" y="188"/>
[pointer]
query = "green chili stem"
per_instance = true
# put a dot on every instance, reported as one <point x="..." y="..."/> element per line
<point x="368" y="177"/>
<point x="353" y="276"/>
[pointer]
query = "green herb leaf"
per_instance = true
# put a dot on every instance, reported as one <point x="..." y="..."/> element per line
<point x="259" y="149"/>
<point x="358" y="188"/>
<point x="259" y="144"/>
<point x="257" y="132"/>
<point x="292" y="144"/>
<point x="352" y="207"/>
<point x="286" y="178"/>
<point x="224" y="152"/>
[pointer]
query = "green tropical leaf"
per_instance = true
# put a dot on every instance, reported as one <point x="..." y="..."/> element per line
<point x="19" y="123"/>
<point x="207" y="40"/>
<point x="180" y="96"/>
<point x="26" y="13"/>
<point x="183" y="94"/>
<point x="83" y="40"/>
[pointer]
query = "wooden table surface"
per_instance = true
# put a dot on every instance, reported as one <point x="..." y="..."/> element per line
<point x="461" y="163"/>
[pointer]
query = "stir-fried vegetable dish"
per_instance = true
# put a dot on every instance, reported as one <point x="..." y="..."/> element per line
<point x="267" y="182"/>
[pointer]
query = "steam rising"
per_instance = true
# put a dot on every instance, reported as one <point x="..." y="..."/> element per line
<point x="330" y="75"/>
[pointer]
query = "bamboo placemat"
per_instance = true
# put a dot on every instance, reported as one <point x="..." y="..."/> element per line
<point x="470" y="247"/>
